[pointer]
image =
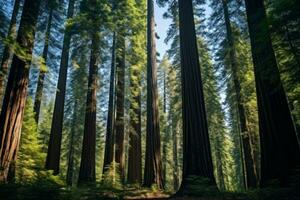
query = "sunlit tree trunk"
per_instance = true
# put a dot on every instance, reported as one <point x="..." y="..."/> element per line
<point x="120" y="97"/>
<point x="16" y="90"/>
<point x="153" y="165"/>
<point x="135" y="146"/>
<point x="7" y="53"/>
<point x="279" y="147"/>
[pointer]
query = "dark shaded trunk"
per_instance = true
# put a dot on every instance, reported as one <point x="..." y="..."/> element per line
<point x="88" y="155"/>
<point x="135" y="143"/>
<point x="153" y="165"/>
<point x="197" y="160"/>
<point x="109" y="141"/>
<point x="42" y="74"/>
<point x="16" y="90"/>
<point x="279" y="147"/>
<point x="70" y="170"/>
<point x="251" y="179"/>
<point x="120" y="89"/>
<point x="7" y="53"/>
<point x="53" y="154"/>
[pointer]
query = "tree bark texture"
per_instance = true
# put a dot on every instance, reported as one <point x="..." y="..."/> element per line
<point x="279" y="147"/>
<point x="7" y="53"/>
<point x="16" y="90"/>
<point x="88" y="155"/>
<point x="153" y="165"/>
<point x="197" y="160"/>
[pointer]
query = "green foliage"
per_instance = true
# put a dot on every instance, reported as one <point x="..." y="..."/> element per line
<point x="31" y="158"/>
<point x="111" y="178"/>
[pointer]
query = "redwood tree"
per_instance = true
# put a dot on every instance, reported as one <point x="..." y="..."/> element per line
<point x="280" y="153"/>
<point x="153" y="165"/>
<point x="16" y="89"/>
<point x="88" y="159"/>
<point x="197" y="160"/>
<point x="53" y="154"/>
<point x="42" y="74"/>
<point x="7" y="50"/>
<point x="249" y="162"/>
<point x="109" y="141"/>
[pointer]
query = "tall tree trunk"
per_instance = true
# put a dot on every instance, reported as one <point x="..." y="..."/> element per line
<point x="165" y="138"/>
<point x="197" y="160"/>
<point x="88" y="159"/>
<point x="135" y="144"/>
<point x="175" y="154"/>
<point x="120" y="89"/>
<point x="16" y="89"/>
<point x="53" y="154"/>
<point x="219" y="163"/>
<point x="7" y="53"/>
<point x="248" y="157"/>
<point x="40" y="83"/>
<point x="153" y="165"/>
<point x="109" y="141"/>
<point x="280" y="151"/>
<point x="70" y="170"/>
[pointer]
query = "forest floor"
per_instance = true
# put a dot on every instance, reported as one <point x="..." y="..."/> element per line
<point x="54" y="192"/>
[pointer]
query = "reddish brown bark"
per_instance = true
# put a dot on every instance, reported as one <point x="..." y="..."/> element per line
<point x="16" y="90"/>
<point x="153" y="165"/>
<point x="197" y="160"/>
<point x="7" y="53"/>
<point x="88" y="159"/>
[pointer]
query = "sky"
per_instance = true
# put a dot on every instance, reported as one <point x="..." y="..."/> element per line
<point x="162" y="26"/>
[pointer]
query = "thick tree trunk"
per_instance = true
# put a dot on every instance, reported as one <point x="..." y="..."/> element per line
<point x="53" y="154"/>
<point x="16" y="89"/>
<point x="248" y="157"/>
<point x="135" y="143"/>
<point x="109" y="141"/>
<point x="120" y="92"/>
<point x="88" y="155"/>
<point x="42" y="74"/>
<point x="153" y="165"/>
<point x="70" y="170"/>
<point x="197" y="160"/>
<point x="279" y="147"/>
<point x="7" y="53"/>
